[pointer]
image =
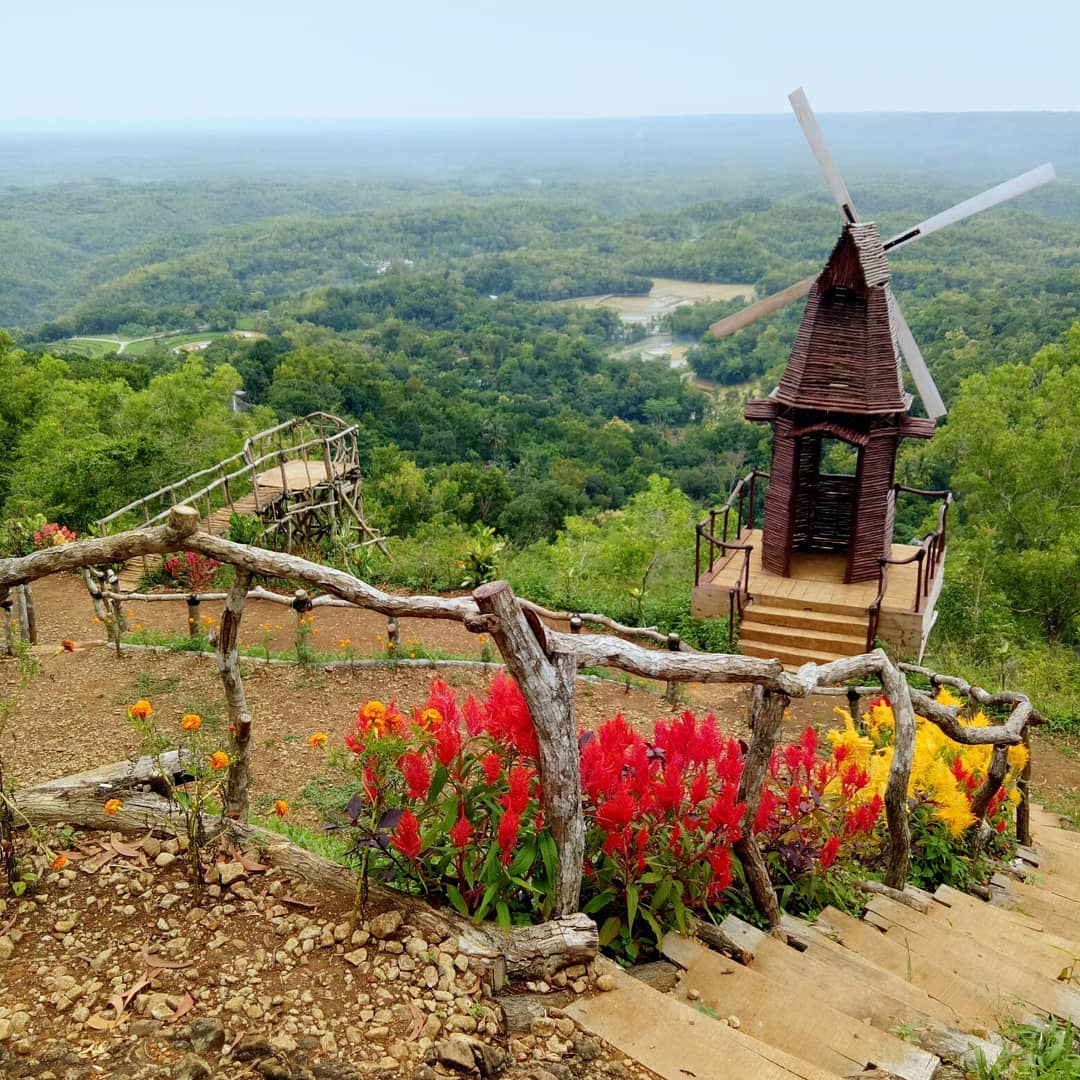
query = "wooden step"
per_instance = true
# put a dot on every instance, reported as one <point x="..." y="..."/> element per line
<point x="836" y="934"/>
<point x="764" y="611"/>
<point x="789" y="657"/>
<point x="863" y="992"/>
<point x="677" y="1042"/>
<point x="797" y="603"/>
<point x="783" y="1016"/>
<point x="797" y="637"/>
<point x="1008" y="931"/>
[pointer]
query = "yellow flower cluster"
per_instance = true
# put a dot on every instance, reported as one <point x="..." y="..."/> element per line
<point x="944" y="773"/>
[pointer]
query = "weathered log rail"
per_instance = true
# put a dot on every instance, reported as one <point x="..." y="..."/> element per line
<point x="544" y="662"/>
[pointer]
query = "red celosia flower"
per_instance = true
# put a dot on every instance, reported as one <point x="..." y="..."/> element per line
<point x="447" y="743"/>
<point x="507" y="835"/>
<point x="371" y="783"/>
<point x="794" y="800"/>
<point x="406" y="835"/>
<point x="417" y="774"/>
<point x="699" y="789"/>
<point x="461" y="832"/>
<point x="863" y="818"/>
<point x="492" y="766"/>
<point x="507" y="717"/>
<point x="769" y="802"/>
<point x="443" y="700"/>
<point x="720" y="862"/>
<point x="616" y="812"/>
<point x="518" y="796"/>
<point x="829" y="852"/>
<point x="1000" y="825"/>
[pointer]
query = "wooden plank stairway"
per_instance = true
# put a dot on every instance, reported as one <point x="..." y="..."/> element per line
<point x="785" y="628"/>
<point x="888" y="995"/>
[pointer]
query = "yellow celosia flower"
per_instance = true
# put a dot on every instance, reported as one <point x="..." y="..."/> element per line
<point x="859" y="747"/>
<point x="956" y="814"/>
<point x="1018" y="758"/>
<point x="944" y="696"/>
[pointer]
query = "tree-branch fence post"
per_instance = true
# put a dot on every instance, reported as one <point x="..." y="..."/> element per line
<point x="546" y="677"/>
<point x="6" y="614"/>
<point x="239" y="715"/>
<point x="896" y="789"/>
<point x="766" y="721"/>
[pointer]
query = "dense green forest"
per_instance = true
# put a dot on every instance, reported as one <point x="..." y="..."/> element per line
<point x="494" y="413"/>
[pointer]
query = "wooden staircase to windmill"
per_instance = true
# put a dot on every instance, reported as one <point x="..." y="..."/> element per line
<point x="301" y="479"/>
<point x="889" y="995"/>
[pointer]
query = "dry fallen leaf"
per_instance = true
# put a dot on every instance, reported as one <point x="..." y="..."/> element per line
<point x="186" y="1005"/>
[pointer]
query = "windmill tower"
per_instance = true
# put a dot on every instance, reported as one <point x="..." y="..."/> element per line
<point x="823" y="578"/>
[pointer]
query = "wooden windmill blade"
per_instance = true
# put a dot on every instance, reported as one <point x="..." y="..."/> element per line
<point x="816" y="138"/>
<point x="1010" y="189"/>
<point x="913" y="357"/>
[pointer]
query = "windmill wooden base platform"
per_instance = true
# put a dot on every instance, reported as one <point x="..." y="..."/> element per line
<point x="813" y="615"/>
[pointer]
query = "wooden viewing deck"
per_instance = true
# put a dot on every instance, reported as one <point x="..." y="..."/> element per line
<point x="813" y="614"/>
<point x="300" y="478"/>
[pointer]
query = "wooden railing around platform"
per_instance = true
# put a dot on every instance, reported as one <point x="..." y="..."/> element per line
<point x="742" y="501"/>
<point x="929" y="557"/>
<point x="318" y="438"/>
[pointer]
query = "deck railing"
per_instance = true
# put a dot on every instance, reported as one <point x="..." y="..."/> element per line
<point x="317" y="437"/>
<point x="929" y="557"/>
<point x="742" y="502"/>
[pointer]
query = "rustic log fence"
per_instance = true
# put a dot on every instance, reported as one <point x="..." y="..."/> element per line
<point x="544" y="662"/>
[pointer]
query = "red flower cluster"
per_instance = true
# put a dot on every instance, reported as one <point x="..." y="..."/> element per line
<point x="672" y="801"/>
<point x="192" y="571"/>
<point x="812" y="805"/>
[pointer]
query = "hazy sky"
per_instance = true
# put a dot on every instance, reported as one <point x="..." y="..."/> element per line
<point x="121" y="63"/>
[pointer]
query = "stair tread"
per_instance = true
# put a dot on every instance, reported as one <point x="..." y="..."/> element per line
<point x="782" y="634"/>
<point x="790" y="657"/>
<point x="765" y="608"/>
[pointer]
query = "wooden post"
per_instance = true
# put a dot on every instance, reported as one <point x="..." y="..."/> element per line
<point x="20" y="614"/>
<point x="766" y="720"/>
<point x="6" y="606"/>
<point x="228" y="662"/>
<point x="896" y="811"/>
<point x="31" y="615"/>
<point x="93" y="579"/>
<point x="546" y="677"/>
<point x="671" y="691"/>
<point x="1023" y="809"/>
<point x="393" y="632"/>
<point x="193" y="615"/>
<point x="995" y="777"/>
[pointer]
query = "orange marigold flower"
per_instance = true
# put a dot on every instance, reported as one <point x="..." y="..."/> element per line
<point x="281" y="807"/>
<point x="141" y="710"/>
<point x="59" y="862"/>
<point x="191" y="721"/>
<point x="318" y="739"/>
<point x="112" y="807"/>
<point x="219" y="760"/>
<point x="67" y="646"/>
<point x="431" y="718"/>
